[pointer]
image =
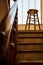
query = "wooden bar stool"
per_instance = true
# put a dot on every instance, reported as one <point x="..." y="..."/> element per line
<point x="32" y="16"/>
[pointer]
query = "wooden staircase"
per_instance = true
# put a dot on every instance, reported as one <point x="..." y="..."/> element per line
<point x="30" y="47"/>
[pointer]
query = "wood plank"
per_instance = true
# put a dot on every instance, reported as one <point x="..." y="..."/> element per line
<point x="3" y="9"/>
<point x="32" y="56"/>
<point x="30" y="35"/>
<point x="30" y="47"/>
<point x="30" y="40"/>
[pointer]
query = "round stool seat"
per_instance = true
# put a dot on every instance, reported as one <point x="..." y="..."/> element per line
<point x="32" y="11"/>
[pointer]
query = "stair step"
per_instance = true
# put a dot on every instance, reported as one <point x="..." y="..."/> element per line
<point x="31" y="56"/>
<point x="30" y="35"/>
<point x="28" y="51"/>
<point x="30" y="62"/>
<point x="30" y="40"/>
<point x="26" y="61"/>
<point x="22" y="43"/>
<point x="23" y="36"/>
<point x="29" y="48"/>
<point x="30" y="31"/>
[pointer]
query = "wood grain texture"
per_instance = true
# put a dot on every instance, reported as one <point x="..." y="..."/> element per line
<point x="3" y="9"/>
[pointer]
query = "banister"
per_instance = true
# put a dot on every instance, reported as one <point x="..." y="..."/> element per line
<point x="7" y="24"/>
<point x="5" y="31"/>
<point x="11" y="19"/>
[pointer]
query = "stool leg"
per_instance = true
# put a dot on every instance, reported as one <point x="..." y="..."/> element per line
<point x="29" y="22"/>
<point x="38" y="22"/>
<point x="26" y="23"/>
<point x="34" y="23"/>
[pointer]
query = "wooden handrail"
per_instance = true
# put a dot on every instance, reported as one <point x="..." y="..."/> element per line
<point x="10" y="20"/>
<point x="7" y="24"/>
<point x="5" y="31"/>
<point x="11" y="17"/>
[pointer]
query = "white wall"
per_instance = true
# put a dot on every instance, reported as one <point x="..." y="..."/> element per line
<point x="24" y="6"/>
<point x="11" y="3"/>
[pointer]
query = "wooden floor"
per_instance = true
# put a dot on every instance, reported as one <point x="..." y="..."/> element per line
<point x="22" y="27"/>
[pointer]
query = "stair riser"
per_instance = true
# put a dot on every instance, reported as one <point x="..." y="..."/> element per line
<point x="30" y="40"/>
<point x="30" y="56"/>
<point x="30" y="35"/>
<point x="29" y="47"/>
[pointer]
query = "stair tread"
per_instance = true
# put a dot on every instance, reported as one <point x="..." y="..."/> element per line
<point x="35" y="43"/>
<point x="30" y="34"/>
<point x="29" y="51"/>
<point x="27" y="61"/>
<point x="30" y="37"/>
<point x="30" y="40"/>
<point x="31" y="31"/>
